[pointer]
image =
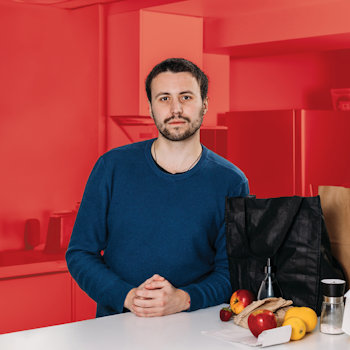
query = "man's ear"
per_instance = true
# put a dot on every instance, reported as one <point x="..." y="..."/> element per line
<point x="150" y="109"/>
<point x="205" y="105"/>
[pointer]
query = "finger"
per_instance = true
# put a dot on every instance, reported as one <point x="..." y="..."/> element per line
<point x="144" y="294"/>
<point x="149" y="315"/>
<point x="148" y="312"/>
<point x="156" y="284"/>
<point x="149" y="293"/>
<point x="155" y="277"/>
<point x="148" y="303"/>
<point x="141" y="303"/>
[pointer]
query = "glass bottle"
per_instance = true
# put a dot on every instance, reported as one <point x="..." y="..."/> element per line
<point x="269" y="286"/>
<point x="332" y="310"/>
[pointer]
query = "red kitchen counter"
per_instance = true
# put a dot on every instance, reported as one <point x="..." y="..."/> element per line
<point x="28" y="263"/>
<point x="37" y="290"/>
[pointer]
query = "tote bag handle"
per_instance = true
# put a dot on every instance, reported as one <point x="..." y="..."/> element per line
<point x="239" y="221"/>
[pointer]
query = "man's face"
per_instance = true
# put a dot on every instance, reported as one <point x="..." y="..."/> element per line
<point x="177" y="107"/>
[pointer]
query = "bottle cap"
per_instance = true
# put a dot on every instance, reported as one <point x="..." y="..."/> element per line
<point x="333" y="287"/>
<point x="269" y="268"/>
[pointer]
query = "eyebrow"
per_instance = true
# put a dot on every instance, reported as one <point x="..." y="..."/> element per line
<point x="167" y="93"/>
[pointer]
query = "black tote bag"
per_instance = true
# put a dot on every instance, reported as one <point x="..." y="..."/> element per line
<point x="291" y="231"/>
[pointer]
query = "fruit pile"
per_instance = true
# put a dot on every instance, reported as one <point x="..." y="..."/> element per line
<point x="302" y="319"/>
<point x="239" y="300"/>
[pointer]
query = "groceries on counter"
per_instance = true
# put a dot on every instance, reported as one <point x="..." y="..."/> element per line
<point x="332" y="311"/>
<point x="304" y="313"/>
<point x="262" y="315"/>
<point x="225" y="314"/>
<point x="261" y="320"/>
<point x="302" y="319"/>
<point x="298" y="327"/>
<point x="269" y="287"/>
<point x="240" y="299"/>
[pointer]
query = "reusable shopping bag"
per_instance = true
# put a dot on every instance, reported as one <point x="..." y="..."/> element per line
<point x="291" y="231"/>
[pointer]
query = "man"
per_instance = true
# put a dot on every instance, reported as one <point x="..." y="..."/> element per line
<point x="156" y="210"/>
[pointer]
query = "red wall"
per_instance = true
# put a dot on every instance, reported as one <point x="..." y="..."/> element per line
<point x="48" y="112"/>
<point x="217" y="68"/>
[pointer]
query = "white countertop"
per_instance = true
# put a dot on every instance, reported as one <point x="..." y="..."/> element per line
<point x="127" y="331"/>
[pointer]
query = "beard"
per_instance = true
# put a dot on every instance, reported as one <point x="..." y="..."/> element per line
<point x="176" y="134"/>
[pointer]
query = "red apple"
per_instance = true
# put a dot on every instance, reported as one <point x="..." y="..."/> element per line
<point x="261" y="320"/>
<point x="240" y="299"/>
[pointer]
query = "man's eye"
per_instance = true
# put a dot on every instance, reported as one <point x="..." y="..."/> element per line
<point x="186" y="97"/>
<point x="164" y="98"/>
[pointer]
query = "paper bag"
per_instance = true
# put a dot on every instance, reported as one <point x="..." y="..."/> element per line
<point x="278" y="306"/>
<point x="335" y="204"/>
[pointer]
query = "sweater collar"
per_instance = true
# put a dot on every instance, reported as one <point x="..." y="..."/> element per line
<point x="168" y="176"/>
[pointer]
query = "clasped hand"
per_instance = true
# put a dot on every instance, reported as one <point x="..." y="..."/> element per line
<point x="157" y="297"/>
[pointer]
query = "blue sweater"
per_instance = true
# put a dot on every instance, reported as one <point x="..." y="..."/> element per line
<point x="147" y="221"/>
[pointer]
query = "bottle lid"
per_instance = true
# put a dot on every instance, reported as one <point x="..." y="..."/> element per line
<point x="269" y="268"/>
<point x="333" y="287"/>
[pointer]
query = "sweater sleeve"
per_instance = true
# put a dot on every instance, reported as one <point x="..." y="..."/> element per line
<point x="216" y="288"/>
<point x="89" y="238"/>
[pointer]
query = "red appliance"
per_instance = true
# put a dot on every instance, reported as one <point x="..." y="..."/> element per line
<point x="290" y="152"/>
<point x="59" y="231"/>
<point x="324" y="149"/>
<point x="261" y="144"/>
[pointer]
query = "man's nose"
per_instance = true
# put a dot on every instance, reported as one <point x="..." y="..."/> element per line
<point x="176" y="107"/>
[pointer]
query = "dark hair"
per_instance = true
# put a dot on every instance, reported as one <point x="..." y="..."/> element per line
<point x="178" y="65"/>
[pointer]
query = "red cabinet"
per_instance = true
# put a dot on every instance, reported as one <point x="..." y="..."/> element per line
<point x="83" y="307"/>
<point x="35" y="301"/>
<point x="40" y="294"/>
